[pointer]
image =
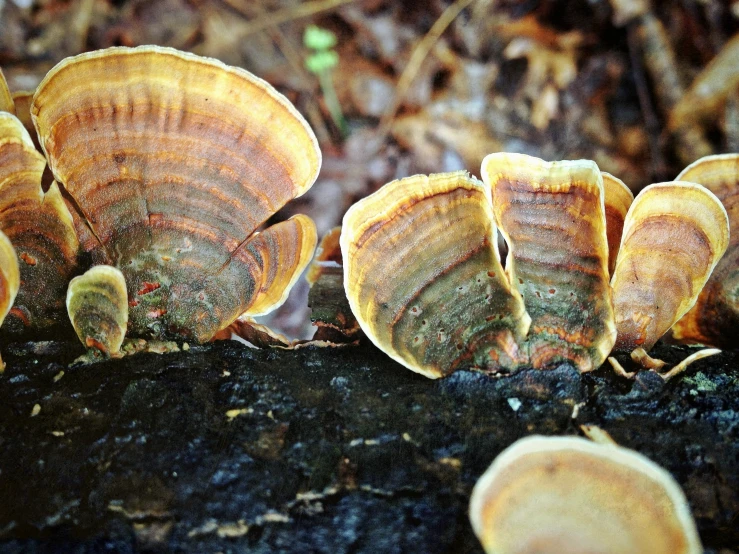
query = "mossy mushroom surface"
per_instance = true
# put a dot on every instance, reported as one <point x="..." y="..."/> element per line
<point x="567" y="494"/>
<point x="171" y="163"/>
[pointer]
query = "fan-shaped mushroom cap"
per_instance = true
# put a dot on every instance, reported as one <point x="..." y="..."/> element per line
<point x="173" y="161"/>
<point x="674" y="235"/>
<point x="39" y="226"/>
<point x="714" y="319"/>
<point x="553" y="218"/>
<point x="566" y="494"/>
<point x="97" y="304"/>
<point x="617" y="199"/>
<point x="6" y="99"/>
<point x="423" y="275"/>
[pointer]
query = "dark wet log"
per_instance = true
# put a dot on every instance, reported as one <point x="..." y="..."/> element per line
<point x="225" y="448"/>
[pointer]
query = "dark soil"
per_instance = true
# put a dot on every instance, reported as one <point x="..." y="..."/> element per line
<point x="334" y="450"/>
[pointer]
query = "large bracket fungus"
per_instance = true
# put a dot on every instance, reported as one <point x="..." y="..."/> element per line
<point x="170" y="163"/>
<point x="425" y="281"/>
<point x="567" y="494"/>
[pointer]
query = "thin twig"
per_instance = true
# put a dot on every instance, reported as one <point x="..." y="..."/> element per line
<point x="682" y="366"/>
<point x="283" y="15"/>
<point x="420" y="52"/>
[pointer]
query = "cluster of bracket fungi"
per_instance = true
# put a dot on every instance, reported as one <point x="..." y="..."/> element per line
<point x="166" y="164"/>
<point x="590" y="268"/>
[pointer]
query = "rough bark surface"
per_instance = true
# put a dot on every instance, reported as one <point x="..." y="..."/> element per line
<point x="223" y="448"/>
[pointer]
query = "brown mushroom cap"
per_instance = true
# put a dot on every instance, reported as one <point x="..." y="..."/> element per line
<point x="566" y="494"/>
<point x="6" y="99"/>
<point x="618" y="197"/>
<point x="173" y="161"/>
<point x="97" y="304"/>
<point x="423" y="275"/>
<point x="714" y="319"/>
<point x="40" y="228"/>
<point x="552" y="216"/>
<point x="674" y="235"/>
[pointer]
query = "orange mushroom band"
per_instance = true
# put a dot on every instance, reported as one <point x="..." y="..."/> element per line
<point x="567" y="494"/>
<point x="170" y="163"/>
<point x="714" y="320"/>
<point x="425" y="282"/>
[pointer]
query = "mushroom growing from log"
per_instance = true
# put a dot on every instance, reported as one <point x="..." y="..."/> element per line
<point x="425" y="282"/>
<point x="170" y="164"/>
<point x="40" y="228"/>
<point x="714" y="320"/>
<point x="567" y="494"/>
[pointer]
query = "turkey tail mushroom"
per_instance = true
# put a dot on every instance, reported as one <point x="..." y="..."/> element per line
<point x="40" y="227"/>
<point x="552" y="216"/>
<point x="10" y="280"/>
<point x="172" y="162"/>
<point x="567" y="494"/>
<point x="423" y="276"/>
<point x="714" y="320"/>
<point x="674" y="235"/>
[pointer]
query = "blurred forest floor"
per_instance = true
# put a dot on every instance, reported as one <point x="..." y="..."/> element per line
<point x="434" y="86"/>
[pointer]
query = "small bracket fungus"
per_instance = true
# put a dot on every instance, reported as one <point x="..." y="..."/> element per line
<point x="97" y="304"/>
<point x="714" y="320"/>
<point x="423" y="275"/>
<point x="674" y="235"/>
<point x="424" y="279"/>
<point x="40" y="227"/>
<point x="10" y="279"/>
<point x="567" y="494"/>
<point x="552" y="216"/>
<point x="170" y="163"/>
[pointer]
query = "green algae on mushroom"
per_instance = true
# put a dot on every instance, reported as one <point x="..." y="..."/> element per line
<point x="171" y="162"/>
<point x="423" y="276"/>
<point x="567" y="494"/>
<point x="552" y="216"/>
<point x="714" y="319"/>
<point x="674" y="235"/>
<point x="97" y="304"/>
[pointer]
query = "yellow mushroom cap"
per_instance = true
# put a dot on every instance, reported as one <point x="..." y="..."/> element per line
<point x="97" y="304"/>
<point x="423" y="276"/>
<point x="173" y="161"/>
<point x="40" y="227"/>
<point x="567" y="494"/>
<point x="618" y="197"/>
<point x="714" y="319"/>
<point x="552" y="216"/>
<point x="674" y="235"/>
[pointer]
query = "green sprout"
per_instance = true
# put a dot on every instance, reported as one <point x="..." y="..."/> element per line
<point x="321" y="62"/>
